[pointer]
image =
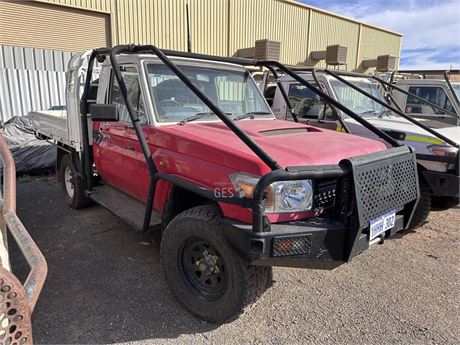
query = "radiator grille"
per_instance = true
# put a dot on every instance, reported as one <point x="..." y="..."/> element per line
<point x="384" y="185"/>
<point x="325" y="194"/>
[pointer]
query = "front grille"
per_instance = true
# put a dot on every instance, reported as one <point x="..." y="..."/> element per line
<point x="325" y="192"/>
<point x="385" y="184"/>
<point x="291" y="245"/>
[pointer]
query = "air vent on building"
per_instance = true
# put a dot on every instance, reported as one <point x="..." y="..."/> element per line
<point x="383" y="63"/>
<point x="267" y="50"/>
<point x="334" y="55"/>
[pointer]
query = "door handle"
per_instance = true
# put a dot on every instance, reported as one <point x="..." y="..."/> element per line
<point x="130" y="148"/>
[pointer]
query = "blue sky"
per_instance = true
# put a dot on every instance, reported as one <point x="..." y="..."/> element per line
<point x="431" y="28"/>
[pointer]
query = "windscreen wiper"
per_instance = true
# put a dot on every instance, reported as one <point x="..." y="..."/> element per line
<point x="251" y="115"/>
<point x="385" y="112"/>
<point x="368" y="112"/>
<point x="197" y="117"/>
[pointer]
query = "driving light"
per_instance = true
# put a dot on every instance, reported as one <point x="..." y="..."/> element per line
<point x="282" y="196"/>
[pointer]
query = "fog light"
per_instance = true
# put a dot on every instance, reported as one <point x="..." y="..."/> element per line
<point x="292" y="245"/>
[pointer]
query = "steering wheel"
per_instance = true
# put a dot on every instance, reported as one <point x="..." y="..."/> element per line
<point x="170" y="103"/>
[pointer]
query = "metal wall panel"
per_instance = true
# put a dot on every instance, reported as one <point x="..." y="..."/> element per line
<point x="34" y="78"/>
<point x="144" y="21"/>
<point x="222" y="27"/>
<point x="328" y="30"/>
<point x="251" y="20"/>
<point x="375" y="42"/>
<point x="31" y="79"/>
<point x="209" y="26"/>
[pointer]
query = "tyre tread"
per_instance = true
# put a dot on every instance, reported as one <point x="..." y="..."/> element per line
<point x="256" y="278"/>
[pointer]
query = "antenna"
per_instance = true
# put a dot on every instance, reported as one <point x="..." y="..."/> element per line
<point x="189" y="40"/>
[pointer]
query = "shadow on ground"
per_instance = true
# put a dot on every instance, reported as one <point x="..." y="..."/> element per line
<point x="105" y="282"/>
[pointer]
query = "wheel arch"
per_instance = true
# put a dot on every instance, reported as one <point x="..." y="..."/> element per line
<point x="179" y="200"/>
<point x="62" y="151"/>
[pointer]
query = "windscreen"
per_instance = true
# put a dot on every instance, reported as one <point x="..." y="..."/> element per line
<point x="233" y="91"/>
<point x="356" y="101"/>
<point x="381" y="117"/>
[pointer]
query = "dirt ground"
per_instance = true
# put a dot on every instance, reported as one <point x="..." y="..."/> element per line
<point x="105" y="285"/>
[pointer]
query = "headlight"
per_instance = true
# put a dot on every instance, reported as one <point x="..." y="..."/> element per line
<point x="440" y="150"/>
<point x="292" y="196"/>
<point x="282" y="196"/>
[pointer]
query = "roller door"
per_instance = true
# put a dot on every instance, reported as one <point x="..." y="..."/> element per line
<point x="40" y="25"/>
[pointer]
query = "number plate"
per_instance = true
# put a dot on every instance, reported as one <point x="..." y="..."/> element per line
<point x="382" y="224"/>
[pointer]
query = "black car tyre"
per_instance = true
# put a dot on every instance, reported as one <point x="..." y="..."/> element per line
<point x="205" y="274"/>
<point x="423" y="207"/>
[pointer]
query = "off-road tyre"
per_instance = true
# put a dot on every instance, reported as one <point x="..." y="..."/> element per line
<point x="77" y="199"/>
<point x="242" y="284"/>
<point x="423" y="208"/>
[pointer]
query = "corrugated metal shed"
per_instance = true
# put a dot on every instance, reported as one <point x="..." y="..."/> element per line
<point x="34" y="78"/>
<point x="30" y="79"/>
<point x="221" y="27"/>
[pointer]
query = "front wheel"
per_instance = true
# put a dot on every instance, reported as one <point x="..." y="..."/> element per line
<point x="423" y="207"/>
<point x="204" y="273"/>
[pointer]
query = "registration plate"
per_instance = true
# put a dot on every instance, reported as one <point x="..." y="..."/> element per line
<point x="382" y="224"/>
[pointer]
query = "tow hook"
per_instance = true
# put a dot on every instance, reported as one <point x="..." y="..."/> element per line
<point x="378" y="240"/>
<point x="208" y="264"/>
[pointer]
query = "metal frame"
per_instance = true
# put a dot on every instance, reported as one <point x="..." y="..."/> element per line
<point x="259" y="223"/>
<point x="38" y="266"/>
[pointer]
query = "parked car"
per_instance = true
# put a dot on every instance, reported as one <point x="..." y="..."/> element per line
<point x="437" y="160"/>
<point x="187" y="144"/>
<point x="427" y="95"/>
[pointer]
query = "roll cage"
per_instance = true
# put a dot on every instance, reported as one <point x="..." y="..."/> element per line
<point x="259" y="222"/>
<point x="338" y="75"/>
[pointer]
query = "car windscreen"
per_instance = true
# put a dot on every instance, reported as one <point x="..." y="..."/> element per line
<point x="356" y="101"/>
<point x="233" y="91"/>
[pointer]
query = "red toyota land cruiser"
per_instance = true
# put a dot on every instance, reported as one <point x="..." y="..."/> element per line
<point x="187" y="143"/>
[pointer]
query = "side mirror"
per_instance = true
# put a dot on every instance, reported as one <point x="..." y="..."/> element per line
<point x="104" y="112"/>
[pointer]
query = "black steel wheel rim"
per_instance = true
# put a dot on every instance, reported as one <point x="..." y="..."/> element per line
<point x="202" y="268"/>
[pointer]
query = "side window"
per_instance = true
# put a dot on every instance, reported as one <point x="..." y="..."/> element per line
<point x="307" y="104"/>
<point x="433" y="94"/>
<point x="131" y="78"/>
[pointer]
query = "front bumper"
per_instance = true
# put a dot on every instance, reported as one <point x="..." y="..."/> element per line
<point x="318" y="243"/>
<point x="442" y="183"/>
<point x="370" y="186"/>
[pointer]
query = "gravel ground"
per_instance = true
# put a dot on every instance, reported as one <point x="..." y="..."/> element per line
<point x="105" y="285"/>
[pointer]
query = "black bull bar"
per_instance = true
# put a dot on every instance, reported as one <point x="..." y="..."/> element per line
<point x="366" y="187"/>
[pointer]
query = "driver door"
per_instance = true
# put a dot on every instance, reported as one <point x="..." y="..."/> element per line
<point x="117" y="152"/>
